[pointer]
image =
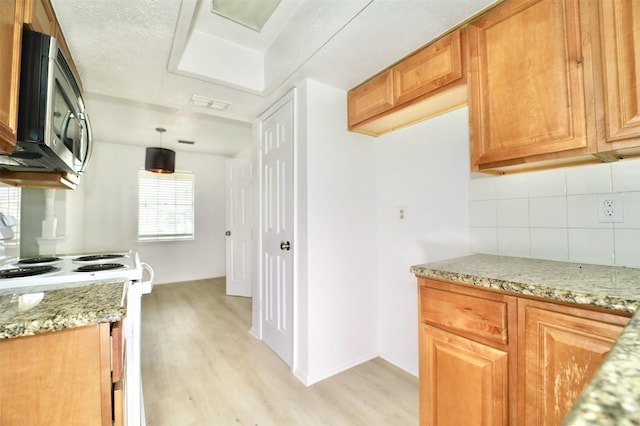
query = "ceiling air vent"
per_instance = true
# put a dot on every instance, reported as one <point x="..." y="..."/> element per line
<point x="205" y="102"/>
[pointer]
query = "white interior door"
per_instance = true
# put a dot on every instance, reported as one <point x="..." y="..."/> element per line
<point x="239" y="220"/>
<point x="277" y="230"/>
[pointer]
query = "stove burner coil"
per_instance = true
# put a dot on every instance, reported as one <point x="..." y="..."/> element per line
<point x="94" y="257"/>
<point x="38" y="259"/>
<point x="27" y="271"/>
<point x="99" y="267"/>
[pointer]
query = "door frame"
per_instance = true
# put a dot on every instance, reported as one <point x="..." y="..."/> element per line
<point x="256" y="328"/>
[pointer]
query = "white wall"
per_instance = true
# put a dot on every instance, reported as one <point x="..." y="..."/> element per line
<point x="336" y="169"/>
<point x="111" y="213"/>
<point x="424" y="169"/>
<point x="553" y="214"/>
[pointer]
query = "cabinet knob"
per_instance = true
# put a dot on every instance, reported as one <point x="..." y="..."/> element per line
<point x="228" y="233"/>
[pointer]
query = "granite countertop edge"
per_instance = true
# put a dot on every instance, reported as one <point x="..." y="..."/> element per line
<point x="30" y="311"/>
<point x="534" y="290"/>
<point x="613" y="394"/>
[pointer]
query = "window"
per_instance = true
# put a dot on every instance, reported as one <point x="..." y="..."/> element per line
<point x="165" y="206"/>
<point x="10" y="199"/>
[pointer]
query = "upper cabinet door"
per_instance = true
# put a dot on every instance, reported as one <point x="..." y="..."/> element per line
<point x="526" y="83"/>
<point x="371" y="98"/>
<point x="39" y="16"/>
<point x="10" y="49"/>
<point x="429" y="69"/>
<point x="620" y="43"/>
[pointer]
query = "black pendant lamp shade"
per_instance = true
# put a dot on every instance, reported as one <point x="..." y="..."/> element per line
<point x="160" y="160"/>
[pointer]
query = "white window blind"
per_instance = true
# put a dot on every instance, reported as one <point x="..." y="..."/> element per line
<point x="165" y="206"/>
<point x="10" y="199"/>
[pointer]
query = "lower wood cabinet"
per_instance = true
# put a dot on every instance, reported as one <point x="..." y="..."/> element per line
<point x="494" y="358"/>
<point x="462" y="382"/>
<point x="561" y="347"/>
<point x="59" y="378"/>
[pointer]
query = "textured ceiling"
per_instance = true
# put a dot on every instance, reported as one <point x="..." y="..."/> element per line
<point x="129" y="55"/>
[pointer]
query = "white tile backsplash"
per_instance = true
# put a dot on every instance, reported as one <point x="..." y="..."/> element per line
<point x="513" y="241"/>
<point x="625" y="176"/>
<point x="553" y="214"/>
<point x="512" y="213"/>
<point x="582" y="212"/>
<point x="549" y="243"/>
<point x="595" y="178"/>
<point x="548" y="183"/>
<point x="591" y="246"/>
<point x="482" y="213"/>
<point x="484" y="240"/>
<point x="483" y="187"/>
<point x="627" y="247"/>
<point x="548" y="212"/>
<point x="512" y="186"/>
<point x="631" y="212"/>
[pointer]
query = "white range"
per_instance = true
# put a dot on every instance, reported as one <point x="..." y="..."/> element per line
<point x="45" y="272"/>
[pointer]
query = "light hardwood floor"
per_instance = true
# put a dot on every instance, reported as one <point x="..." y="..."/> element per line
<point x="201" y="367"/>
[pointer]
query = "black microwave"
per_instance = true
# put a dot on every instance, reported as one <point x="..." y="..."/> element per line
<point x="54" y="132"/>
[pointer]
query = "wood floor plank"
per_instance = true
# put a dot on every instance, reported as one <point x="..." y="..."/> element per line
<point x="201" y="367"/>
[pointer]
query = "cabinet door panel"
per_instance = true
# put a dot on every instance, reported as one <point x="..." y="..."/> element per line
<point x="620" y="35"/>
<point x="59" y="378"/>
<point x="561" y="352"/>
<point x="39" y="16"/>
<point x="450" y="364"/>
<point x="526" y="82"/>
<point x="429" y="69"/>
<point x="10" y="51"/>
<point x="371" y="98"/>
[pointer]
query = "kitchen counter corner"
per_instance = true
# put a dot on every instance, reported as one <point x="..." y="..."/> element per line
<point x="613" y="394"/>
<point x="31" y="311"/>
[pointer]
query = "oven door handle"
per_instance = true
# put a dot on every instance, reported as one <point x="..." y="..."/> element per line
<point x="147" y="286"/>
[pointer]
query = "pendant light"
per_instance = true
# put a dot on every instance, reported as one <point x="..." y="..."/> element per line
<point x="158" y="159"/>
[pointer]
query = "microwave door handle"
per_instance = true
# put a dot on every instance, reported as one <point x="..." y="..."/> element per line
<point x="86" y="125"/>
<point x="77" y="147"/>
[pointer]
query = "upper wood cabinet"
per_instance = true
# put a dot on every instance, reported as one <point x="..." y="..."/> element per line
<point x="11" y="13"/>
<point x="371" y="98"/>
<point x="39" y="16"/>
<point x="429" y="69"/>
<point x="620" y="53"/>
<point x="431" y="81"/>
<point x="527" y="83"/>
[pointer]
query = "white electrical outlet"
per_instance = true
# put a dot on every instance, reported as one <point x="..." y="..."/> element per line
<point x="610" y="208"/>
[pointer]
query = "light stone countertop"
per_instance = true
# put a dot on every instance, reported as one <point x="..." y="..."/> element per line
<point x="29" y="311"/>
<point x="613" y="395"/>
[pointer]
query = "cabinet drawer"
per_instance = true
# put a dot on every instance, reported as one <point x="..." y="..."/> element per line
<point x="465" y="314"/>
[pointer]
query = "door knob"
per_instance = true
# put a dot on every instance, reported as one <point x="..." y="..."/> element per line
<point x="227" y="233"/>
<point x="285" y="245"/>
